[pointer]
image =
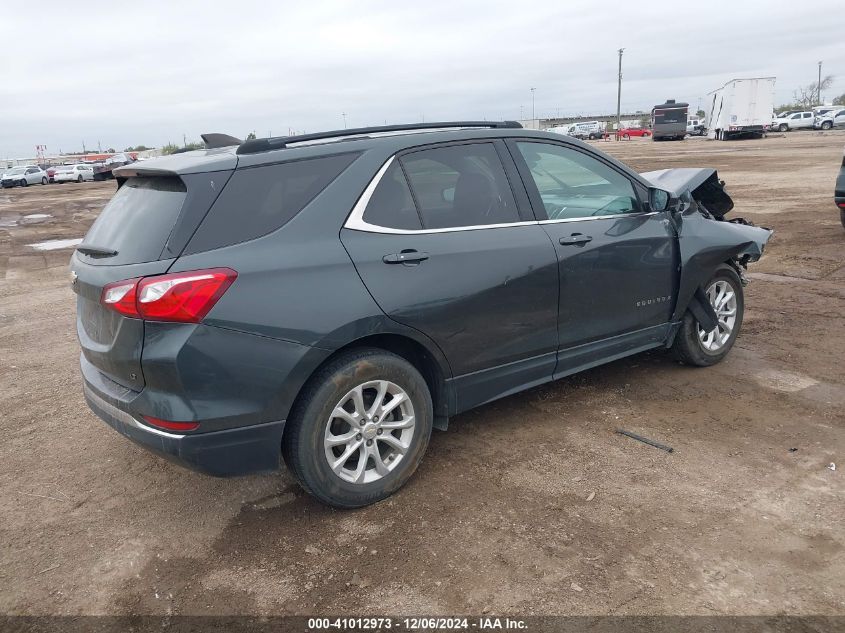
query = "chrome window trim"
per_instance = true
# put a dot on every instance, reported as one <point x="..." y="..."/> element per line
<point x="635" y="214"/>
<point x="355" y="221"/>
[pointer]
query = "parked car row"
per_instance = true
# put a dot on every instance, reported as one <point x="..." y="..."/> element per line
<point x="821" y="119"/>
<point x="34" y="175"/>
<point x="24" y="176"/>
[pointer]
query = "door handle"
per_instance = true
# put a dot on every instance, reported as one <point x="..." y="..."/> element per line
<point x="575" y="238"/>
<point x="405" y="257"/>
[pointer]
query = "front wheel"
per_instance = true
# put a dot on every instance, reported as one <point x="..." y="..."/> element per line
<point x="44" y="181"/>
<point x="79" y="179"/>
<point x="24" y="182"/>
<point x="826" y="125"/>
<point x="359" y="429"/>
<point x="783" y="127"/>
<point x="694" y="346"/>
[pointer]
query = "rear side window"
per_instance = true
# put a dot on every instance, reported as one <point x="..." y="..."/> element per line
<point x="391" y="205"/>
<point x="258" y="200"/>
<point x="460" y="185"/>
<point x="137" y="220"/>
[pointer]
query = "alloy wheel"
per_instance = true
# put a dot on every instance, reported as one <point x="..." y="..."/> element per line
<point x="369" y="432"/>
<point x="722" y="298"/>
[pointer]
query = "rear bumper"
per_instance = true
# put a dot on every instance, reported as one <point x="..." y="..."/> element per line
<point x="237" y="451"/>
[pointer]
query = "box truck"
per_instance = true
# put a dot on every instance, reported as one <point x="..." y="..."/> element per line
<point x="742" y="108"/>
<point x="669" y="121"/>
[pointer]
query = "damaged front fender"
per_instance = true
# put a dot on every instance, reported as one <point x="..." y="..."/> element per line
<point x="705" y="239"/>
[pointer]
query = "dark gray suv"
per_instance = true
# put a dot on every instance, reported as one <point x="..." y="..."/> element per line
<point x="332" y="297"/>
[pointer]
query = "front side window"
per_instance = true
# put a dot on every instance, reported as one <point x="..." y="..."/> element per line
<point x="460" y="186"/>
<point x="572" y="184"/>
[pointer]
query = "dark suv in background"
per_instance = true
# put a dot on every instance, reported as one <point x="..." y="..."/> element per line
<point x="332" y="297"/>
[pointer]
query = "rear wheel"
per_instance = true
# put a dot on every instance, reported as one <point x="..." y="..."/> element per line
<point x="360" y="428"/>
<point x="694" y="346"/>
<point x="79" y="179"/>
<point x="44" y="181"/>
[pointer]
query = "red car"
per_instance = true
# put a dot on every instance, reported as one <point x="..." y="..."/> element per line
<point x="628" y="132"/>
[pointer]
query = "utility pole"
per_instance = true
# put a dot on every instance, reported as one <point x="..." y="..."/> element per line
<point x="532" y="104"/>
<point x="343" y="114"/>
<point x="819" y="94"/>
<point x="619" y="97"/>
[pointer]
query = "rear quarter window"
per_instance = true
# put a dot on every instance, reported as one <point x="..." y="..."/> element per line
<point x="259" y="200"/>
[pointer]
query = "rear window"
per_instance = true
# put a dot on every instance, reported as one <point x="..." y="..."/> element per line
<point x="137" y="220"/>
<point x="258" y="200"/>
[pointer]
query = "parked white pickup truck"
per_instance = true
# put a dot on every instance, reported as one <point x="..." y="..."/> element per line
<point x="794" y="121"/>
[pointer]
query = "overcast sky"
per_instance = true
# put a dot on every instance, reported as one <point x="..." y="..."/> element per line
<point x="148" y="72"/>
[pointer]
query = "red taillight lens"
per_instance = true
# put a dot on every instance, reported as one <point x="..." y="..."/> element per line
<point x="842" y="205"/>
<point x="185" y="297"/>
<point x="120" y="297"/>
<point x="167" y="425"/>
<point x="182" y="297"/>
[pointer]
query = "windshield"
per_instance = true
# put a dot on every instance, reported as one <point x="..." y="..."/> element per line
<point x="16" y="171"/>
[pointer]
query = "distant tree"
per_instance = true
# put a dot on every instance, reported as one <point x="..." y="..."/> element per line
<point x="645" y="120"/>
<point x="840" y="100"/>
<point x="251" y="136"/>
<point x="807" y="96"/>
<point x="138" y="148"/>
<point x="169" y="148"/>
<point x="700" y="114"/>
<point x="111" y="150"/>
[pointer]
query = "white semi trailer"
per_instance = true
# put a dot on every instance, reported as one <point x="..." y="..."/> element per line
<point x="742" y="108"/>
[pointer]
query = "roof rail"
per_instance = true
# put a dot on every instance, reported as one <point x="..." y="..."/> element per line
<point x="279" y="142"/>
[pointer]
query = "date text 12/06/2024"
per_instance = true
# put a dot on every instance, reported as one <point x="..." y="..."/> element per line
<point x="486" y="623"/>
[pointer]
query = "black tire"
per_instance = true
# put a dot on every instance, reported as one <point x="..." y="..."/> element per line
<point x="826" y="125"/>
<point x="79" y="179"/>
<point x="44" y="180"/>
<point x="687" y="347"/>
<point x="24" y="182"/>
<point x="626" y="136"/>
<point x="783" y="127"/>
<point x="303" y="442"/>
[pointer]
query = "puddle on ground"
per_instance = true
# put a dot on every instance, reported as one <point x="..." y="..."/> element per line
<point x="784" y="381"/>
<point x="7" y="221"/>
<point x="53" y="245"/>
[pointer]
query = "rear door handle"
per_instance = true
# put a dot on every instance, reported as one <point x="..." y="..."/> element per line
<point x="405" y="257"/>
<point x="575" y="238"/>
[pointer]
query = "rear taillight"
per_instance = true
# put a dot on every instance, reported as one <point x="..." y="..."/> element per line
<point x="181" y="297"/>
<point x="120" y="297"/>
<point x="167" y="425"/>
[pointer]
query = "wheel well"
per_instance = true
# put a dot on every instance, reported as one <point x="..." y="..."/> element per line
<point x="414" y="353"/>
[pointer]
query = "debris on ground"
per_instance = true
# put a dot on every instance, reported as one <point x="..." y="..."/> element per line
<point x="645" y="440"/>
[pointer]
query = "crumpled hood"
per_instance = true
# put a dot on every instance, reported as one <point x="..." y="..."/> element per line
<point x="702" y="183"/>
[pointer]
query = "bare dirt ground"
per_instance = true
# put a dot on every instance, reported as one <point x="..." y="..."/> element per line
<point x="530" y="505"/>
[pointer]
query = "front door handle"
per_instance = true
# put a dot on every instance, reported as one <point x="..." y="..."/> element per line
<point x="575" y="238"/>
<point x="405" y="257"/>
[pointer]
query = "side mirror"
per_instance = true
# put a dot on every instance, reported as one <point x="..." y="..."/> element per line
<point x="658" y="199"/>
